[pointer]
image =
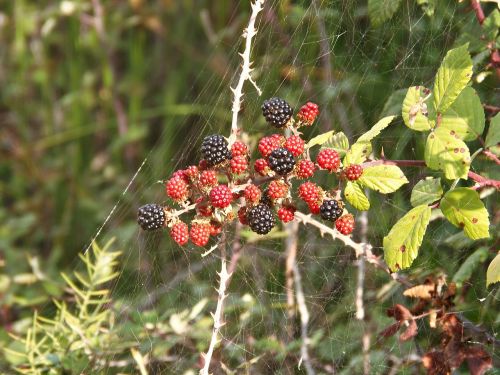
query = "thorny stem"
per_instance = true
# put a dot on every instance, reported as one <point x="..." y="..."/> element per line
<point x="248" y="34"/>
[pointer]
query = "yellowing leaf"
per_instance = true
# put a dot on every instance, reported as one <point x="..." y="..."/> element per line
<point x="493" y="272"/>
<point x="426" y="191"/>
<point x="358" y="153"/>
<point x="415" y="110"/>
<point x="382" y="10"/>
<point x="376" y="129"/>
<point x="452" y="77"/>
<point x="445" y="151"/>
<point x="320" y="139"/>
<point x="465" y="116"/>
<point x="383" y="178"/>
<point x="403" y="241"/>
<point x="463" y="208"/>
<point x="355" y="196"/>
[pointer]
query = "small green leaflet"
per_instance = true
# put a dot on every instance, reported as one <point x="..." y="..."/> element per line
<point x="493" y="272"/>
<point x="426" y="191"/>
<point x="403" y="241"/>
<point x="355" y="196"/>
<point x="468" y="267"/>
<point x="493" y="136"/>
<point x="382" y="10"/>
<point x="463" y="208"/>
<point x="339" y="143"/>
<point x="415" y="110"/>
<point x="358" y="153"/>
<point x="320" y="139"/>
<point x="376" y="129"/>
<point x="452" y="77"/>
<point x="383" y="178"/>
<point x="465" y="116"/>
<point x="445" y="151"/>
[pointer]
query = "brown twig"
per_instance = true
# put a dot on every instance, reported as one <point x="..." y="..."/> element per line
<point x="291" y="243"/>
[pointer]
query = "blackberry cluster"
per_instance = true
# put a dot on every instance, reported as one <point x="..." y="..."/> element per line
<point x="215" y="149"/>
<point x="330" y="210"/>
<point x="151" y="216"/>
<point x="277" y="112"/>
<point x="281" y="161"/>
<point x="261" y="219"/>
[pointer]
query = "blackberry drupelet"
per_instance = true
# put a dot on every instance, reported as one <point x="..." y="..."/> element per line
<point x="215" y="149"/>
<point x="281" y="161"/>
<point x="330" y="210"/>
<point x="277" y="112"/>
<point x="151" y="216"/>
<point x="261" y="219"/>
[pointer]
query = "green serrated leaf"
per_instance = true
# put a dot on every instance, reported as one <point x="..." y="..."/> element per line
<point x="426" y="191"/>
<point x="320" y="139"/>
<point x="491" y="25"/>
<point x="382" y="10"/>
<point x="383" y="178"/>
<point x="355" y="196"/>
<point x="376" y="129"/>
<point x="493" y="272"/>
<point x="445" y="151"/>
<point x="493" y="136"/>
<point x="339" y="143"/>
<point x="403" y="241"/>
<point x="452" y="77"/>
<point x="358" y="153"/>
<point x="465" y="116"/>
<point x="468" y="267"/>
<point x="463" y="208"/>
<point x="415" y="110"/>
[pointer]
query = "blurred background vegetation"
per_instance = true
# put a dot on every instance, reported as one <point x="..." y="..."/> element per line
<point x="91" y="91"/>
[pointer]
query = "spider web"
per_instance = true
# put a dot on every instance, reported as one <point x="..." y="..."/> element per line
<point x="292" y="57"/>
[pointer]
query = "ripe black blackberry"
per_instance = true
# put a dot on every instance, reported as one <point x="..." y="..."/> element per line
<point x="281" y="161"/>
<point x="151" y="216"/>
<point x="330" y="210"/>
<point x="261" y="218"/>
<point x="266" y="199"/>
<point x="215" y="149"/>
<point x="277" y="112"/>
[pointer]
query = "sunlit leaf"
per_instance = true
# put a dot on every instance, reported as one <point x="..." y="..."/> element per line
<point x="355" y="196"/>
<point x="358" y="153"/>
<point x="383" y="178"/>
<point x="493" y="136"/>
<point x="320" y="139"/>
<point x="339" y="143"/>
<point x="376" y="129"/>
<point x="493" y="272"/>
<point x="463" y="208"/>
<point x="415" y="110"/>
<point x="452" y="77"/>
<point x="426" y="191"/>
<point x="403" y="241"/>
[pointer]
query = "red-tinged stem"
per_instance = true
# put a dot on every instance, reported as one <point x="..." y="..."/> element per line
<point x="491" y="108"/>
<point x="476" y="5"/>
<point x="490" y="155"/>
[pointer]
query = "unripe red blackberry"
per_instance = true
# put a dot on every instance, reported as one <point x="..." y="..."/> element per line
<point x="308" y="113"/>
<point x="345" y="224"/>
<point x="242" y="215"/>
<point x="330" y="210"/>
<point x="261" y="167"/>
<point x="295" y="145"/>
<point x="286" y="213"/>
<point x="268" y="145"/>
<point x="215" y="149"/>
<point x="277" y="189"/>
<point x="328" y="159"/>
<point x="353" y="172"/>
<point x="239" y="164"/>
<point x="221" y="196"/>
<point x="191" y="172"/>
<point x="305" y="169"/>
<point x="239" y="149"/>
<point x="281" y="161"/>
<point x="180" y="233"/>
<point x="277" y="112"/>
<point x="204" y="209"/>
<point x="177" y="188"/>
<point x="309" y="192"/>
<point x="182" y="174"/>
<point x="200" y="233"/>
<point x="252" y="194"/>
<point x="261" y="219"/>
<point x="151" y="216"/>
<point x="215" y="228"/>
<point x="208" y="178"/>
<point x="314" y="207"/>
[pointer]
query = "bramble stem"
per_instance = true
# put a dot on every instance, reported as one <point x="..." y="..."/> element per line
<point x="248" y="34"/>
